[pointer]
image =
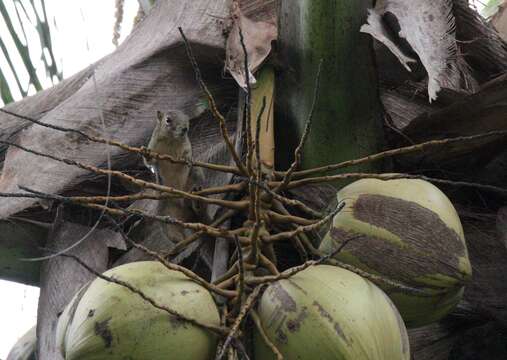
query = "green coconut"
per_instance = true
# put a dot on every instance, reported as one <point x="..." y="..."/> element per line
<point x="326" y="312"/>
<point x="107" y="321"/>
<point x="409" y="232"/>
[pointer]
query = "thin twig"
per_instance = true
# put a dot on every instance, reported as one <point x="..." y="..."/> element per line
<point x="194" y="237"/>
<point x="254" y="242"/>
<point x="295" y="203"/>
<point x="391" y="176"/>
<point x="133" y="180"/>
<point x="216" y="329"/>
<point x="268" y="264"/>
<point x="297" y="240"/>
<point x="249" y="303"/>
<point x="255" y="197"/>
<point x="298" y="244"/>
<point x="241" y="285"/>
<point x="258" y="138"/>
<point x="248" y="107"/>
<point x="373" y="278"/>
<point x="92" y="229"/>
<point x="209" y="230"/>
<point x="239" y="349"/>
<point x="309" y="245"/>
<point x="174" y="267"/>
<point x="381" y="279"/>
<point x="233" y="270"/>
<point x="229" y="282"/>
<point x="258" y="324"/>
<point x="297" y="153"/>
<point x="232" y="354"/>
<point x="223" y="322"/>
<point x="143" y="195"/>
<point x="285" y="200"/>
<point x="238" y="187"/>
<point x="137" y="150"/>
<point x="304" y="229"/>
<point x="288" y="219"/>
<point x="213" y="106"/>
<point x="394" y="152"/>
<point x="258" y="174"/>
<point x="297" y="269"/>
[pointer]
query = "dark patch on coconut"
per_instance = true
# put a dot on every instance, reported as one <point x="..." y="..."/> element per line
<point x="278" y="293"/>
<point x="427" y="240"/>
<point x="186" y="292"/>
<point x="327" y="316"/>
<point x="281" y="337"/>
<point x="297" y="286"/>
<point x="102" y="330"/>
<point x="295" y="325"/>
<point x="177" y="323"/>
<point x="279" y="318"/>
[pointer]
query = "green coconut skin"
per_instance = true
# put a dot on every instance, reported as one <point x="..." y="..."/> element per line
<point x="326" y="312"/>
<point x="412" y="234"/>
<point x="107" y="321"/>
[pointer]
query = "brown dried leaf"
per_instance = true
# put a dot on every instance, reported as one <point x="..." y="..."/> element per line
<point x="429" y="27"/>
<point x="258" y="36"/>
<point x="484" y="49"/>
<point x="143" y="75"/>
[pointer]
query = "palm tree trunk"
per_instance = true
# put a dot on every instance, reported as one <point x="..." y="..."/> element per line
<point x="347" y="122"/>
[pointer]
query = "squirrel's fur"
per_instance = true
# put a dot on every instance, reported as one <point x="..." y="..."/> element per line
<point x="170" y="137"/>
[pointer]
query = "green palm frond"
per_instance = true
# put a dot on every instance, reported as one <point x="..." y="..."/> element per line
<point x="12" y="68"/>
<point x="26" y="13"/>
<point x="5" y="92"/>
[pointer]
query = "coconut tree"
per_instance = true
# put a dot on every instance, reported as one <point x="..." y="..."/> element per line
<point x="424" y="102"/>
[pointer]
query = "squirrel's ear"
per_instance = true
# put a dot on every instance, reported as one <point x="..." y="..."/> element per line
<point x="160" y="116"/>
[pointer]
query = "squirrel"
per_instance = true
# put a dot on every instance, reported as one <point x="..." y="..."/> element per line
<point x="170" y="137"/>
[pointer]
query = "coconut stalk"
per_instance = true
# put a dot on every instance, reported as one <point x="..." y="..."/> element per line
<point x="264" y="92"/>
<point x="346" y="122"/>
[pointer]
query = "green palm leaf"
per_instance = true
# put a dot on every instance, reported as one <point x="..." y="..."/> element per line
<point x="39" y="22"/>
<point x="5" y="92"/>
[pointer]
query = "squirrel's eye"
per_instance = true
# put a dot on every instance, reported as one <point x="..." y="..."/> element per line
<point x="168" y="120"/>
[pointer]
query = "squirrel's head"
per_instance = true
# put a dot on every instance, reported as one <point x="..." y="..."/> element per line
<point x="173" y="124"/>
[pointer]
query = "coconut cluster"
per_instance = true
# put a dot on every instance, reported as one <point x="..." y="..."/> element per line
<point x="404" y="231"/>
